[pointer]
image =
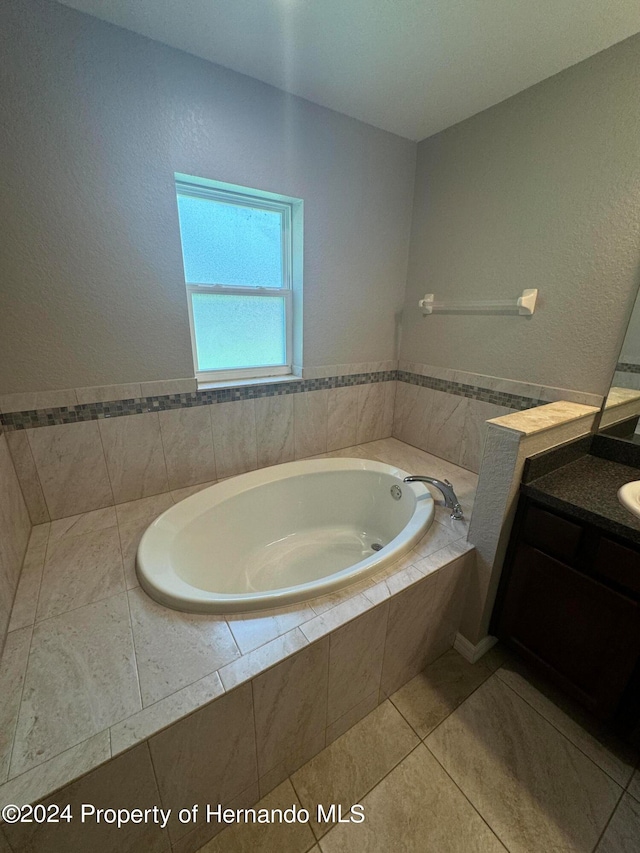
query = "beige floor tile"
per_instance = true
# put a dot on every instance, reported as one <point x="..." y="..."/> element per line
<point x="353" y="716"/>
<point x="623" y="833"/>
<point x="534" y="788"/>
<point x="434" y="693"/>
<point x="81" y="678"/>
<point x="496" y="657"/>
<point x="204" y="832"/>
<point x="252" y="837"/>
<point x="634" y="785"/>
<point x="617" y="759"/>
<point x="353" y="764"/>
<point x="80" y="570"/>
<point x="175" y="649"/>
<point x="416" y="809"/>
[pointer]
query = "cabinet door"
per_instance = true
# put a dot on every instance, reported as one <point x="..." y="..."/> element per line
<point x="583" y="634"/>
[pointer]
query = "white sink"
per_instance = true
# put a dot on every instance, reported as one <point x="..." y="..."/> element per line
<point x="629" y="497"/>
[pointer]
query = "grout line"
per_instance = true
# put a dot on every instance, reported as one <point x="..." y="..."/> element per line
<point x="135" y="651"/>
<point x="565" y="736"/>
<point x="106" y="467"/>
<point x="477" y="811"/>
<point x="606" y="826"/>
<point x="44" y="497"/>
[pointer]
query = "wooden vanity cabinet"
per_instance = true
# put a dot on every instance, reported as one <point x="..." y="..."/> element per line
<point x="569" y="604"/>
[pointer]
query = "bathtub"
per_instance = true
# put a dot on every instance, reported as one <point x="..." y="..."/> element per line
<point x="281" y="535"/>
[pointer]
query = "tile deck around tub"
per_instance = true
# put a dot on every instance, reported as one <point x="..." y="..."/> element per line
<point x="92" y="666"/>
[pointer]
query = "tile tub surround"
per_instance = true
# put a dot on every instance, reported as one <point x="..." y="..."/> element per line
<point x="15" y="528"/>
<point x="84" y="457"/>
<point x="352" y="642"/>
<point x="445" y="411"/>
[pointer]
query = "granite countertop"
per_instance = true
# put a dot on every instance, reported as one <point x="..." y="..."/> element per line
<point x="588" y="490"/>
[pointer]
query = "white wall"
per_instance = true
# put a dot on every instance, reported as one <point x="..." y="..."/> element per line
<point x="542" y="190"/>
<point x="96" y="122"/>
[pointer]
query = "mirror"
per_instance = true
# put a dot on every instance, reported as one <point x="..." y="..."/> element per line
<point x="621" y="410"/>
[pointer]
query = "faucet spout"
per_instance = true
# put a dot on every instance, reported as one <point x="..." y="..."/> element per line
<point x="450" y="499"/>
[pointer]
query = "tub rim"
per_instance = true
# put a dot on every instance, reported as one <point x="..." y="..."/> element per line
<point x="162" y="583"/>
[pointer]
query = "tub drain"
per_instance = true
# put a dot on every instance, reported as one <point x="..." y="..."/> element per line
<point x="377" y="546"/>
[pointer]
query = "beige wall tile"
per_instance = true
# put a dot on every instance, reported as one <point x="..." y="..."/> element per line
<point x="13" y="666"/>
<point x="290" y="704"/>
<point x="194" y="840"/>
<point x="159" y="388"/>
<point x="188" y="446"/>
<point x="274" y="430"/>
<point x="544" y="794"/>
<point x="79" y="570"/>
<point x="407" y="645"/>
<point x="209" y="757"/>
<point x="390" y="389"/>
<point x="134" y="455"/>
<point x="125" y="782"/>
<point x="234" y="437"/>
<point x="71" y="467"/>
<point x="475" y="430"/>
<point x="448" y="602"/>
<point x="107" y="393"/>
<point x="353" y="716"/>
<point x="292" y="759"/>
<point x="352" y="765"/>
<point x="178" y="495"/>
<point x="371" y="412"/>
<point x="342" y="417"/>
<point x="27" y="476"/>
<point x="413" y="411"/>
<point x="355" y="661"/>
<point x="310" y="423"/>
<point x="446" y="425"/>
<point x="81" y="678"/>
<point x="174" y="649"/>
<point x="26" y="600"/>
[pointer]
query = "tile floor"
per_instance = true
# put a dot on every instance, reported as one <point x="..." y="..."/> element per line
<point x="462" y="758"/>
<point x="87" y="649"/>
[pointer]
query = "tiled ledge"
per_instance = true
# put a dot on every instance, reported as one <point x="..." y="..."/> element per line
<point x="261" y="643"/>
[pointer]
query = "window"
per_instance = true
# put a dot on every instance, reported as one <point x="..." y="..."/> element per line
<point x="242" y="254"/>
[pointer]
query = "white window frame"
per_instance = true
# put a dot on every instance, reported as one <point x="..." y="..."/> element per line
<point x="291" y="210"/>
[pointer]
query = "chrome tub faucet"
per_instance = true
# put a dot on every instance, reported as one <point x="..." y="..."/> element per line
<point x="450" y="499"/>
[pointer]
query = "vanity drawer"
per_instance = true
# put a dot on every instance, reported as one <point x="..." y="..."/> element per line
<point x="619" y="564"/>
<point x="551" y="533"/>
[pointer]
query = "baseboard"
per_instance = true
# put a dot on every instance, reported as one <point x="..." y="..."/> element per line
<point x="469" y="651"/>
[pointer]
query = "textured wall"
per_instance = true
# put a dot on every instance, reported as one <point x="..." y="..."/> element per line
<point x="541" y="191"/>
<point x="92" y="282"/>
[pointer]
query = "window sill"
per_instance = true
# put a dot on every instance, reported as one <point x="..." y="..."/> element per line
<point x="243" y="383"/>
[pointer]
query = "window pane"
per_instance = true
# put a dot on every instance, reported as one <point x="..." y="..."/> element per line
<point x="230" y="244"/>
<point x="239" y="331"/>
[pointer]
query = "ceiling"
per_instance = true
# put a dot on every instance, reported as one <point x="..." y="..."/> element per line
<point x="412" y="67"/>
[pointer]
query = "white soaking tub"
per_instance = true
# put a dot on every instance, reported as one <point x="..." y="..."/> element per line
<point x="282" y="534"/>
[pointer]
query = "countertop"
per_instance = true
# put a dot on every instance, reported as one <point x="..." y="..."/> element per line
<point x="587" y="489"/>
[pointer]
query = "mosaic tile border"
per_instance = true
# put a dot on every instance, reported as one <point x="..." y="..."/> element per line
<point x="137" y="406"/>
<point x="35" y="418"/>
<point x="475" y="392"/>
<point x="627" y="367"/>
